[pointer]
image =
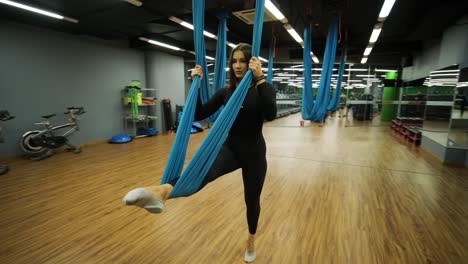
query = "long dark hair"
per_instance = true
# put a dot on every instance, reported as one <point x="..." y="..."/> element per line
<point x="247" y="50"/>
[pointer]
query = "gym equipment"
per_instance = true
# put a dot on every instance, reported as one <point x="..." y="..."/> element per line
<point x="193" y="175"/>
<point x="167" y="109"/>
<point x="120" y="139"/>
<point x="4" y="116"/>
<point x="363" y="111"/>
<point x="408" y="133"/>
<point x="147" y="132"/>
<point x="40" y="144"/>
<point x="196" y="126"/>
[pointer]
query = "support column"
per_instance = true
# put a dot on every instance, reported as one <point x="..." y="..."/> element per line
<point x="390" y="93"/>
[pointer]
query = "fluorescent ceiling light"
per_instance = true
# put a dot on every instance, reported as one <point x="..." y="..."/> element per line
<point x="293" y="69"/>
<point x="232" y="45"/>
<point x="135" y="2"/>
<point x="319" y="69"/>
<point x="364" y="60"/>
<point x="356" y="69"/>
<point x="365" y="75"/>
<point x="164" y="45"/>
<point x="296" y="66"/>
<point x="293" y="33"/>
<point x="208" y="34"/>
<point x="315" y="59"/>
<point x="386" y="8"/>
<point x="209" y="57"/>
<point x="262" y="59"/>
<point x="275" y="11"/>
<point x="384" y="70"/>
<point x="445" y="71"/>
<point x="154" y="42"/>
<point x="286" y="74"/>
<point x="38" y="11"/>
<point x="367" y="51"/>
<point x="375" y="33"/>
<point x="190" y="26"/>
<point x="443" y="74"/>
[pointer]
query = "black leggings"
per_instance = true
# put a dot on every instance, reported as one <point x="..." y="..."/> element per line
<point x="248" y="154"/>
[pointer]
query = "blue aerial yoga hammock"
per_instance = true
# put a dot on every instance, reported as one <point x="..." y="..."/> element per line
<point x="270" y="60"/>
<point x="336" y="97"/>
<point x="307" y="92"/>
<point x="193" y="175"/>
<point x="316" y="111"/>
<point x="220" y="64"/>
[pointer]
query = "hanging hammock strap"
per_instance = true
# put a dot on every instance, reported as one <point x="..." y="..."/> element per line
<point x="219" y="79"/>
<point x="336" y="97"/>
<point x="319" y="109"/>
<point x="271" y="56"/>
<point x="307" y="92"/>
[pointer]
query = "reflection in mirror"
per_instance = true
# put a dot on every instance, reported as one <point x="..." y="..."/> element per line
<point x="440" y="93"/>
<point x="458" y="134"/>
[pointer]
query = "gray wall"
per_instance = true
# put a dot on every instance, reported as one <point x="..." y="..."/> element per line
<point x="451" y="48"/>
<point x="165" y="72"/>
<point x="43" y="71"/>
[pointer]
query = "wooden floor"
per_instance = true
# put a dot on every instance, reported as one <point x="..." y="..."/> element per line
<point x="348" y="192"/>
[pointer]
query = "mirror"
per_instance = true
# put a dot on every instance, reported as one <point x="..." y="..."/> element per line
<point x="458" y="133"/>
<point x="441" y="86"/>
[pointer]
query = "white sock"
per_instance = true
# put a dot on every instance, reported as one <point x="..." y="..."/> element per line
<point x="249" y="256"/>
<point x="144" y="199"/>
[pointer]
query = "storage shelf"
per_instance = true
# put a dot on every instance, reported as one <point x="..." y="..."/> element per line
<point x="141" y="118"/>
<point x="147" y="105"/>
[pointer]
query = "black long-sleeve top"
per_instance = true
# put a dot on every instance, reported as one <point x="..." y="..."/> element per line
<point x="259" y="105"/>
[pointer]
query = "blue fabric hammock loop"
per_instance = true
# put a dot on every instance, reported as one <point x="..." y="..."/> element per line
<point x="270" y="61"/>
<point x="319" y="110"/>
<point x="219" y="79"/>
<point x="193" y="175"/>
<point x="336" y="97"/>
<point x="307" y="92"/>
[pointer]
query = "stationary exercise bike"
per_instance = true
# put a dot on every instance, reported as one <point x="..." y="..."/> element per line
<point x="41" y="144"/>
<point x="4" y="116"/>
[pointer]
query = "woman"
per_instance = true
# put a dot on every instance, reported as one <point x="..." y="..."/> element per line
<point x="244" y="147"/>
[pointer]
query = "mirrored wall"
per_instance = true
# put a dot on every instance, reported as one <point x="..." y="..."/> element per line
<point x="458" y="130"/>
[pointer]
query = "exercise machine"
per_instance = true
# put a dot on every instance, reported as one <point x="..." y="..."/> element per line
<point x="41" y="144"/>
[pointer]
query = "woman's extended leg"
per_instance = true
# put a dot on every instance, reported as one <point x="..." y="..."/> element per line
<point x="152" y="198"/>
